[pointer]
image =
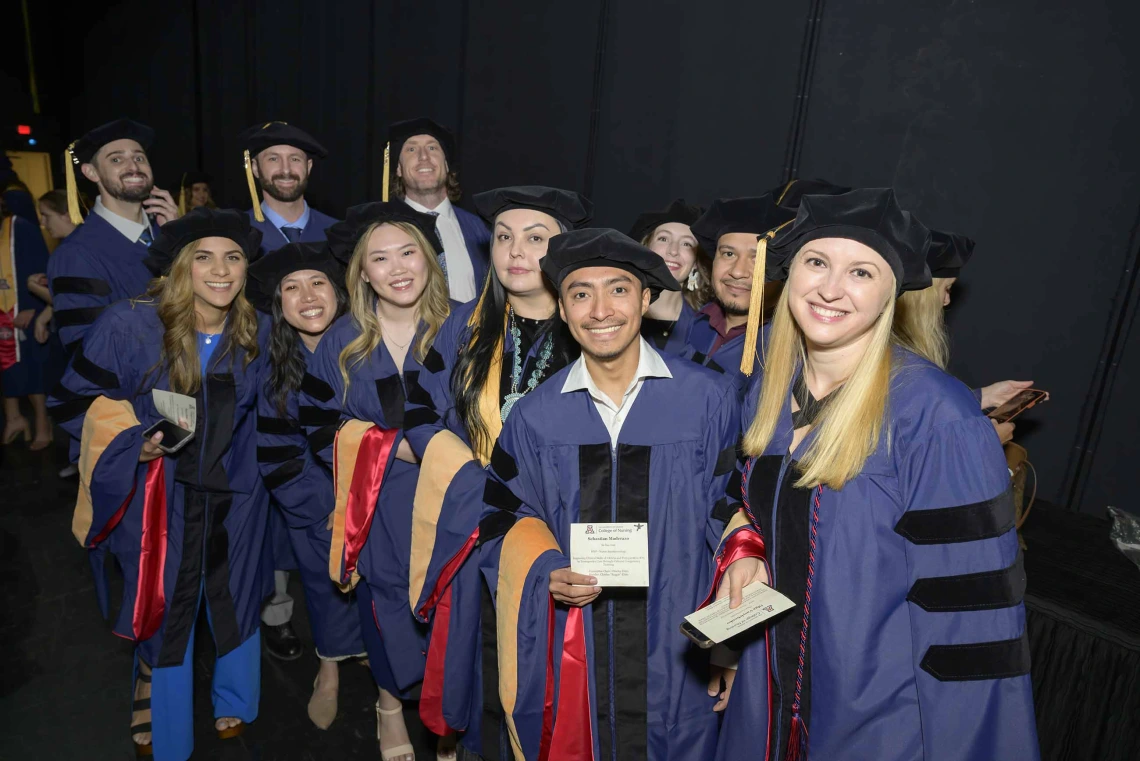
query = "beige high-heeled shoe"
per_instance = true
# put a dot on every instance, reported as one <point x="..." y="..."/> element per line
<point x="399" y="750"/>
<point x="322" y="708"/>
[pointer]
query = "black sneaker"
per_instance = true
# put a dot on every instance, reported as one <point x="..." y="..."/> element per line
<point x="282" y="642"/>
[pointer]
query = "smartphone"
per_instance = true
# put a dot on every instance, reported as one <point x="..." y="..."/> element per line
<point x="1021" y="402"/>
<point x="173" y="437"/>
<point x="696" y="636"/>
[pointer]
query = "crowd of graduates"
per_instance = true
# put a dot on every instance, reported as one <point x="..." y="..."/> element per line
<point x="411" y="407"/>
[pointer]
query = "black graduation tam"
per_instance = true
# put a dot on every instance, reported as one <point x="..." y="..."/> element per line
<point x="678" y="211"/>
<point x="176" y="234"/>
<point x="790" y="194"/>
<point x="603" y="247"/>
<point x="190" y="179"/>
<point x="343" y="236"/>
<point x="399" y="133"/>
<point x="266" y="274"/>
<point x="870" y="216"/>
<point x="87" y="146"/>
<point x="261" y="136"/>
<point x="572" y="210"/>
<point x="756" y="215"/>
<point x="948" y="254"/>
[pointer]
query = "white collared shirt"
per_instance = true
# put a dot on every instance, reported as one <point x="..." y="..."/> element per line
<point x="460" y="272"/>
<point x="130" y="228"/>
<point x="649" y="365"/>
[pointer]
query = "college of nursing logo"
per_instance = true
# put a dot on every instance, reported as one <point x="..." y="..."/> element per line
<point x="589" y="528"/>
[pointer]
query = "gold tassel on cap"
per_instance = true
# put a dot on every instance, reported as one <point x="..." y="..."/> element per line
<point x="756" y="301"/>
<point x="253" y="188"/>
<point x="384" y="190"/>
<point x="69" y="162"/>
<point x="182" y="197"/>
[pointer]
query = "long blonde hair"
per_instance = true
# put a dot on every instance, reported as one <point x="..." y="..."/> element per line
<point x="175" y="296"/>
<point x="432" y="308"/>
<point x="851" y="423"/>
<point x="920" y="324"/>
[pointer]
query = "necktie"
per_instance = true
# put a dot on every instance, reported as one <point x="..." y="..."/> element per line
<point x="146" y="238"/>
<point x="292" y="233"/>
<point x="441" y="256"/>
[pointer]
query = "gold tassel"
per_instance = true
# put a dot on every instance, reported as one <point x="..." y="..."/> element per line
<point x="755" y="306"/>
<point x="384" y="190"/>
<point x="69" y="162"/>
<point x="253" y="188"/>
<point x="182" y="197"/>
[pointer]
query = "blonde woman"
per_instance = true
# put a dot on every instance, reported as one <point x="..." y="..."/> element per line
<point x="363" y="367"/>
<point x="668" y="234"/>
<point x="920" y="323"/>
<point x="185" y="524"/>
<point x="883" y="498"/>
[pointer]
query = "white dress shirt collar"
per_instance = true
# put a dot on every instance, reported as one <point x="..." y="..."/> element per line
<point x="131" y="229"/>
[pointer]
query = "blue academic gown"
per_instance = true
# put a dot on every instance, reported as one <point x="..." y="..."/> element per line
<point x="313" y="232"/>
<point x="917" y="645"/>
<point x="467" y="670"/>
<point x="31" y="374"/>
<point x="93" y="267"/>
<point x="301" y="486"/>
<point x="376" y="394"/>
<point x="671" y="338"/>
<point x="478" y="239"/>
<point x="701" y="348"/>
<point x="20" y="203"/>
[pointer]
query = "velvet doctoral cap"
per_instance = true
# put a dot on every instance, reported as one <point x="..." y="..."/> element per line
<point x="87" y="146"/>
<point x="871" y="216"/>
<point x="176" y="234"/>
<point x="948" y="254"/>
<point x="756" y="215"/>
<point x="791" y="193"/>
<point x="678" y="211"/>
<point x="572" y="210"/>
<point x="343" y="236"/>
<point x="602" y="247"/>
<point x="266" y="134"/>
<point x="399" y="133"/>
<point x="190" y="179"/>
<point x="266" y="274"/>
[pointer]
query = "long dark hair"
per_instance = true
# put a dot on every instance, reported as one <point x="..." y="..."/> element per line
<point x="470" y="373"/>
<point x="286" y="361"/>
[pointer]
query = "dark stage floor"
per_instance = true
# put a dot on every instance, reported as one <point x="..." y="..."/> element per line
<point x="64" y="679"/>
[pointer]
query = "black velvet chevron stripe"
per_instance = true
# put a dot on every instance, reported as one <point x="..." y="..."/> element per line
<point x="416" y="393"/>
<point x="495" y="525"/>
<point x="284" y="474"/>
<point x="433" y="361"/>
<point x="497" y="495"/>
<point x="503" y="464"/>
<point x="311" y="417"/>
<point x="987" y="590"/>
<point x="69" y="318"/>
<point x="81" y="286"/>
<point x="98" y="376"/>
<point x="723" y="510"/>
<point x="974" y="662"/>
<point x="712" y="365"/>
<point x="322" y="438"/>
<point x="279" y="454"/>
<point x="725" y="461"/>
<point x="277" y="426"/>
<point x="316" y="388"/>
<point x="964" y="523"/>
<point x="417" y="416"/>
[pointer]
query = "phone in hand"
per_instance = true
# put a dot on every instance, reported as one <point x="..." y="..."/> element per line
<point x="174" y="437"/>
<point x="702" y="641"/>
<point x="1022" y="401"/>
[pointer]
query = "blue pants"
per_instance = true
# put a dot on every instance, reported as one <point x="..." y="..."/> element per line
<point x="236" y="691"/>
<point x="333" y="617"/>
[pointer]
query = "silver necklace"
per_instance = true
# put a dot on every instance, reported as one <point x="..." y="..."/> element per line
<point x="544" y="353"/>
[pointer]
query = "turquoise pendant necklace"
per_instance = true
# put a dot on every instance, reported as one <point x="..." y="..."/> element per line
<point x="516" y="368"/>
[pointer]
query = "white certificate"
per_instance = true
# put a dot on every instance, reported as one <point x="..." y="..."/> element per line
<point x="175" y="407"/>
<point x="616" y="554"/>
<point x="760" y="602"/>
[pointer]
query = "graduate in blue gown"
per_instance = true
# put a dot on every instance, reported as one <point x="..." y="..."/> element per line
<point x="884" y="502"/>
<point x="668" y="234"/>
<point x="487" y="356"/>
<point x="23" y="253"/>
<point x="729" y="230"/>
<point x="102" y="261"/>
<point x="186" y="528"/>
<point x="300" y="286"/>
<point x="279" y="158"/>
<point x="362" y="371"/>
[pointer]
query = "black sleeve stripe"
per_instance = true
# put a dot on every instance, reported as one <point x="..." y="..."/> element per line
<point x="283" y="475"/>
<point x="725" y="461"/>
<point x="322" y="438"/>
<point x="313" y="417"/>
<point x="712" y="365"/>
<point x="69" y="318"/>
<point x="70" y="348"/>
<point x="724" y="509"/>
<point x="503" y="464"/>
<point x="418" y="416"/>
<point x="316" y="388"/>
<point x="99" y="376"/>
<point x="276" y="426"/>
<point x="964" y="523"/>
<point x="71" y="409"/>
<point x="495" y="525"/>
<point x="433" y="361"/>
<point x="497" y="495"/>
<point x="987" y="590"/>
<point x="84" y="286"/>
<point x="698" y="357"/>
<point x="978" y="661"/>
<point x="734" y="491"/>
<point x="416" y="393"/>
<point x="390" y="392"/>
<point x="279" y="454"/>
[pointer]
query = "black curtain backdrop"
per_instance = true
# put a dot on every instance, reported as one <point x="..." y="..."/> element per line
<point x="1012" y="122"/>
